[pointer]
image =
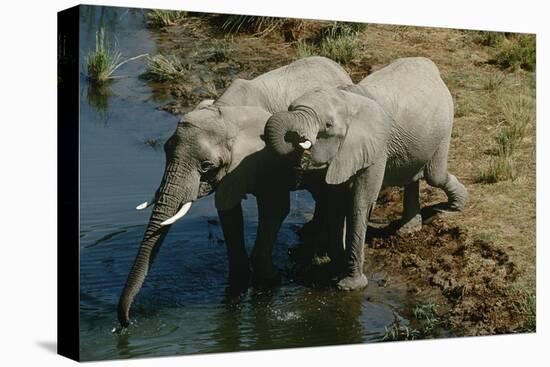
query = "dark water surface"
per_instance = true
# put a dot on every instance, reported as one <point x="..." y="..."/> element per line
<point x="182" y="307"/>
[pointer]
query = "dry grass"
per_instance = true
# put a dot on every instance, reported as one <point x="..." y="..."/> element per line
<point x="164" y="18"/>
<point x="338" y="41"/>
<point x="165" y="68"/>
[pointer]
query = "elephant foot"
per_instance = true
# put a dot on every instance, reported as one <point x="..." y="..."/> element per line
<point x="449" y="207"/>
<point x="263" y="280"/>
<point x="457" y="194"/>
<point x="265" y="274"/>
<point x="239" y="281"/>
<point x="412" y="225"/>
<point x="353" y="282"/>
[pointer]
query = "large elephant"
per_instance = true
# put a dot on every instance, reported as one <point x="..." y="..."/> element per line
<point x="391" y="129"/>
<point x="219" y="147"/>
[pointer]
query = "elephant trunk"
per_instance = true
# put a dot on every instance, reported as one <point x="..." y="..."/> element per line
<point x="171" y="195"/>
<point x="286" y="131"/>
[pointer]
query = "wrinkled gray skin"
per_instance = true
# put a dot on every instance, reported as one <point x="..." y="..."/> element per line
<point x="391" y="129"/>
<point x="218" y="147"/>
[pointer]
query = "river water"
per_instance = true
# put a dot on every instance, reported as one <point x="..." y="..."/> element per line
<point x="182" y="307"/>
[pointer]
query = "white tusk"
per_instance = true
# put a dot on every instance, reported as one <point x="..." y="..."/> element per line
<point x="305" y="145"/>
<point x="184" y="209"/>
<point x="145" y="204"/>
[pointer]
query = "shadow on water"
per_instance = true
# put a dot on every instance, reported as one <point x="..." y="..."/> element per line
<point x="183" y="307"/>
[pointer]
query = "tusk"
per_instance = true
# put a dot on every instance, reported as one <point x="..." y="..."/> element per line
<point x="145" y="204"/>
<point x="184" y="209"/>
<point x="305" y="145"/>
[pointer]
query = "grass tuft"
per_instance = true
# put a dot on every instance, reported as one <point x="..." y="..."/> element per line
<point x="103" y="60"/>
<point x="304" y="49"/>
<point x="528" y="307"/>
<point x="342" y="49"/>
<point x="518" y="113"/>
<point x="338" y="42"/>
<point x="490" y="39"/>
<point x="396" y="332"/>
<point x="500" y="168"/>
<point x="493" y="81"/>
<point x="164" y="18"/>
<point x="165" y="68"/>
<point x="261" y="26"/>
<point x="219" y="51"/>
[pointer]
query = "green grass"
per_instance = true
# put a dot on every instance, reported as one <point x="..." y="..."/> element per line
<point x="163" y="18"/>
<point x="103" y="60"/>
<point x="486" y="38"/>
<point x="165" y="68"/>
<point x="304" y="49"/>
<point x="250" y="24"/>
<point x="338" y="42"/>
<point x="218" y="51"/>
<point x="518" y="51"/>
<point x="428" y="314"/>
<point x="493" y="81"/>
<point x="517" y="111"/>
<point x="341" y="49"/>
<point x="528" y="307"/>
<point x="342" y="29"/>
<point x="500" y="168"/>
<point x="397" y="332"/>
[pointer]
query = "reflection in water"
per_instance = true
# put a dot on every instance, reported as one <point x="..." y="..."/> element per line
<point x="182" y="307"/>
<point x="98" y="95"/>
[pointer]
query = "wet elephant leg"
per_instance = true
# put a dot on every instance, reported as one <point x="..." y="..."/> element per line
<point x="363" y="197"/>
<point x="233" y="231"/>
<point x="334" y="224"/>
<point x="411" y="220"/>
<point x="273" y="208"/>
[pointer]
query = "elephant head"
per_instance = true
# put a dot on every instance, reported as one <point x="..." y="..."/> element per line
<point x="342" y="131"/>
<point x="209" y="143"/>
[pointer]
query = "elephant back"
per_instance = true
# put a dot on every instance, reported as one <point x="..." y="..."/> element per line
<point x="275" y="90"/>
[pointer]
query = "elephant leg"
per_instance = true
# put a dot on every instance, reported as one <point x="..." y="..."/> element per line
<point x="311" y="235"/>
<point x="411" y="220"/>
<point x="233" y="232"/>
<point x="333" y="227"/>
<point x="272" y="210"/>
<point x="366" y="187"/>
<point x="436" y="175"/>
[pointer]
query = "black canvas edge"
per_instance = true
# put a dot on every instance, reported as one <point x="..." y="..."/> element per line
<point x="68" y="203"/>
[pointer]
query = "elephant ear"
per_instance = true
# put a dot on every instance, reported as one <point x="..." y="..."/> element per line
<point x="246" y="149"/>
<point x="364" y="142"/>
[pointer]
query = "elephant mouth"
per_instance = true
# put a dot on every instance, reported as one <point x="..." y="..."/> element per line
<point x="206" y="188"/>
<point x="306" y="163"/>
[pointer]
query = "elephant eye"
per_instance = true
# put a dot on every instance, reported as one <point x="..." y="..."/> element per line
<point x="206" y="166"/>
<point x="329" y="124"/>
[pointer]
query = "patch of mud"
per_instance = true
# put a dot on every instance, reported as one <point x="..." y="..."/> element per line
<point x="472" y="275"/>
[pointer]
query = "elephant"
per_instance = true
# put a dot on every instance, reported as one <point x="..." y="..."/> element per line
<point x="218" y="147"/>
<point x="391" y="129"/>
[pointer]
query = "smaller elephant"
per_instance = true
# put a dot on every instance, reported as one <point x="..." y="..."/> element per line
<point x="389" y="130"/>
